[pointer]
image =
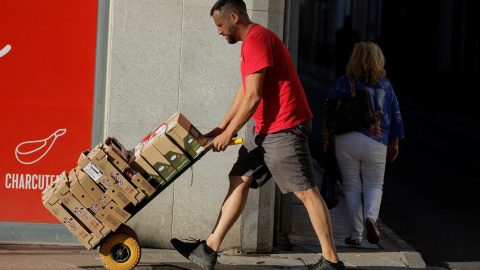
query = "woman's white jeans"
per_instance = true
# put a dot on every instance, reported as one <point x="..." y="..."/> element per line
<point x="362" y="164"/>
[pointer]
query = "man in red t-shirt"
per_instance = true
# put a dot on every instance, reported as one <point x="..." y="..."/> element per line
<point x="272" y="95"/>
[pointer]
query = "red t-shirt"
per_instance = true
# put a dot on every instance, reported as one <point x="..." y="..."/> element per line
<point x="283" y="104"/>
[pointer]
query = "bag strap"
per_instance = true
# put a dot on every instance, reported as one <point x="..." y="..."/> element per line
<point x="352" y="86"/>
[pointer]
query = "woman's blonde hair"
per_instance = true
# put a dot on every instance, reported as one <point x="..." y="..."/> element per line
<point x="366" y="63"/>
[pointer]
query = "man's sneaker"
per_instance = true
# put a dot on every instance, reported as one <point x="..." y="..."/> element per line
<point x="373" y="235"/>
<point x="196" y="251"/>
<point x="323" y="264"/>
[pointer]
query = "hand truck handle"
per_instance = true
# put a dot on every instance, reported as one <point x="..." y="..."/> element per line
<point x="236" y="141"/>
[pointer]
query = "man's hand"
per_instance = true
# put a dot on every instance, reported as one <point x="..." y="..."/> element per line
<point x="219" y="143"/>
<point x="215" y="132"/>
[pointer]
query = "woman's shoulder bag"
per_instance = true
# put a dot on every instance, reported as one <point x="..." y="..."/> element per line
<point x="350" y="113"/>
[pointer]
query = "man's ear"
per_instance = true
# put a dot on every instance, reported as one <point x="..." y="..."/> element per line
<point x="235" y="18"/>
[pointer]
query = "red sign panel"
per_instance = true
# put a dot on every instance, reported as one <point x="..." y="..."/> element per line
<point x="47" y="72"/>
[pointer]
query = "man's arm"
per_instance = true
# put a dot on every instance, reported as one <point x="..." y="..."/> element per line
<point x="229" y="116"/>
<point x="233" y="109"/>
<point x="243" y="107"/>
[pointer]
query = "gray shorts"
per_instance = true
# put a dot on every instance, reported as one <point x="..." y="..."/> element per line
<point x="284" y="155"/>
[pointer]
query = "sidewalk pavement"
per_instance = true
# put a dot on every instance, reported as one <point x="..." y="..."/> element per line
<point x="391" y="252"/>
<point x="302" y="250"/>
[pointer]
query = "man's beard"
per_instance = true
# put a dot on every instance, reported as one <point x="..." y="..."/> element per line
<point x="232" y="32"/>
<point x="231" y="39"/>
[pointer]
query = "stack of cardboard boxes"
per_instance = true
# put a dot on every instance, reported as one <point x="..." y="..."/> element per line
<point x="100" y="194"/>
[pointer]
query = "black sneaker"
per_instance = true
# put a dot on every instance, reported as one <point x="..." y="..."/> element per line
<point x="373" y="235"/>
<point x="323" y="264"/>
<point x="196" y="251"/>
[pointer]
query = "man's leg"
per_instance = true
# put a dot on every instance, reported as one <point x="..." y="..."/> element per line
<point x="320" y="218"/>
<point x="203" y="252"/>
<point x="231" y="209"/>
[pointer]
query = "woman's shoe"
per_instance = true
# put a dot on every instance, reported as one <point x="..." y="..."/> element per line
<point x="354" y="242"/>
<point x="373" y="235"/>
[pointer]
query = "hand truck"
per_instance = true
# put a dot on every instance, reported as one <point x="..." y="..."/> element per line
<point x="117" y="244"/>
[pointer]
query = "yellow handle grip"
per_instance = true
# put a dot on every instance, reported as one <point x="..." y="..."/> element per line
<point x="236" y="141"/>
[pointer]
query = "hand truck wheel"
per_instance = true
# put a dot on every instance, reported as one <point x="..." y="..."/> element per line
<point x="127" y="230"/>
<point x="120" y="251"/>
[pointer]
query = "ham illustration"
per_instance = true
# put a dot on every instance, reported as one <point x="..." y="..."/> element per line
<point x="5" y="50"/>
<point x="29" y="150"/>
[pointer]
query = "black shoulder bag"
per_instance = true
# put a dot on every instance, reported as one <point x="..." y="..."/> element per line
<point x="350" y="113"/>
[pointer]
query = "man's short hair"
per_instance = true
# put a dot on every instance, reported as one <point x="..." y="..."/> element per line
<point x="229" y="6"/>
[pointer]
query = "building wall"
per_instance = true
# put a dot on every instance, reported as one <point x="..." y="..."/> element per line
<point x="165" y="56"/>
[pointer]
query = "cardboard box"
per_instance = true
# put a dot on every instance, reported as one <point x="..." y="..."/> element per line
<point x="159" y="130"/>
<point x="118" y="195"/>
<point x="116" y="211"/>
<point x="57" y="188"/>
<point x="96" y="206"/>
<point x="83" y="215"/>
<point x="100" y="159"/>
<point x="72" y="177"/>
<point x="170" y="151"/>
<point x="50" y="201"/>
<point x="60" y="183"/>
<point x="108" y="220"/>
<point x="96" y="165"/>
<point x="72" y="224"/>
<point x="79" y="192"/>
<point x="139" y="164"/>
<point x="95" y="241"/>
<point x="118" y="147"/>
<point x="94" y="190"/>
<point x="119" y="163"/>
<point x="141" y="183"/>
<point x="185" y="135"/>
<point x="116" y="153"/>
<point x="106" y="182"/>
<point x="157" y="161"/>
<point x="47" y="195"/>
<point x="88" y="167"/>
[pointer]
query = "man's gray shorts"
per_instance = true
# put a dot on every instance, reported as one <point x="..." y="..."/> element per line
<point x="284" y="155"/>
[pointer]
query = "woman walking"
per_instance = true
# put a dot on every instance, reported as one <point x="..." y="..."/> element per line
<point x="362" y="154"/>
